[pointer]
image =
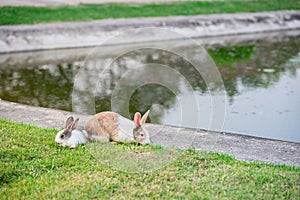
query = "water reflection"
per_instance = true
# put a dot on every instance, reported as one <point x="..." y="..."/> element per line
<point x="45" y="86"/>
<point x="144" y="77"/>
<point x="261" y="80"/>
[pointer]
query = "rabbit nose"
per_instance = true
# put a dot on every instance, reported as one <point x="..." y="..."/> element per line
<point x="147" y="141"/>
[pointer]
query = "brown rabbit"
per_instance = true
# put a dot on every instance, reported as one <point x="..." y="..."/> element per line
<point x="111" y="126"/>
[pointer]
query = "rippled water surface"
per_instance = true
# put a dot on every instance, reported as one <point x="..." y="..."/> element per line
<point x="260" y="95"/>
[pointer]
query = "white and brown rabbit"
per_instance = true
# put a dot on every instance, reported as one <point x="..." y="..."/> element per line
<point x="105" y="127"/>
<point x="70" y="136"/>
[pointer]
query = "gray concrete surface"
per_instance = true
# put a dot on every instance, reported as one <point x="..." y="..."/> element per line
<point x="239" y="146"/>
<point x="128" y="31"/>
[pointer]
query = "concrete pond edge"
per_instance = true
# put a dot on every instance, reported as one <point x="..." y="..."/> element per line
<point x="241" y="147"/>
<point x="94" y="33"/>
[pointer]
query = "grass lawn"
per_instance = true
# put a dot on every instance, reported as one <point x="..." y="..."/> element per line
<point x="34" y="15"/>
<point x="32" y="166"/>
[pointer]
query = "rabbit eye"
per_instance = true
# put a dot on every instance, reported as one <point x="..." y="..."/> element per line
<point x="142" y="134"/>
<point x="62" y="136"/>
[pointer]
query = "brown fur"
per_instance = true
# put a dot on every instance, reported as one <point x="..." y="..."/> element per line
<point x="102" y="127"/>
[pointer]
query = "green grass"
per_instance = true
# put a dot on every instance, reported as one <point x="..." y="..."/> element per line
<point x="32" y="166"/>
<point x="33" y="15"/>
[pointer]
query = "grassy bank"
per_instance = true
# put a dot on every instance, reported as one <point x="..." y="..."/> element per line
<point x="32" y="166"/>
<point x="33" y="15"/>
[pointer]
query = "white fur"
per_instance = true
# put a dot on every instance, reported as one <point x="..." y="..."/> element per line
<point x="126" y="127"/>
<point x="147" y="141"/>
<point x="77" y="137"/>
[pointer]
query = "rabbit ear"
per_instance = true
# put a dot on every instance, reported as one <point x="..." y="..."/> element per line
<point x="144" y="118"/>
<point x="74" y="124"/>
<point x="69" y="122"/>
<point x="137" y="118"/>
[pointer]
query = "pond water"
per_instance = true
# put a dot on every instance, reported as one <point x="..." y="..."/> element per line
<point x="259" y="92"/>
